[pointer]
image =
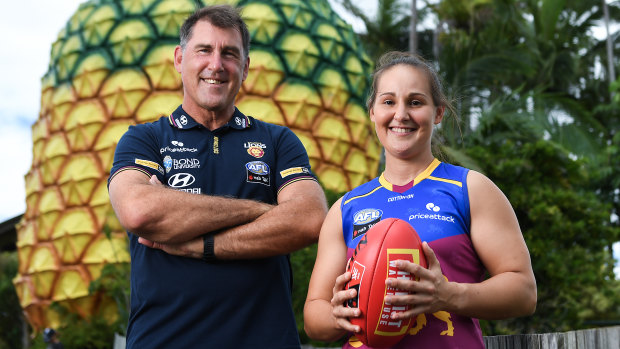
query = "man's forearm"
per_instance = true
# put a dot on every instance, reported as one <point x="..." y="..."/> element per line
<point x="165" y="215"/>
<point x="287" y="227"/>
<point x="293" y="224"/>
<point x="196" y="215"/>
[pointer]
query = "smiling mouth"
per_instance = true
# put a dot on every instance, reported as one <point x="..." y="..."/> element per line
<point x="212" y="81"/>
<point x="401" y="129"/>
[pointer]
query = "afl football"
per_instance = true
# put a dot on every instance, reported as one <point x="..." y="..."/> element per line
<point x="372" y="263"/>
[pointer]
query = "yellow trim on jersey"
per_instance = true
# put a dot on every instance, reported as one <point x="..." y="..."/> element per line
<point x="361" y="196"/>
<point x="419" y="178"/>
<point x="460" y="184"/>
<point x="387" y="185"/>
<point x="427" y="173"/>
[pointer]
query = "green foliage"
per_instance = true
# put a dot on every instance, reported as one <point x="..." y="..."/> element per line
<point x="566" y="227"/>
<point x="539" y="120"/>
<point x="302" y="263"/>
<point x="96" y="331"/>
<point x="79" y="333"/>
<point x="114" y="283"/>
<point x="614" y="88"/>
<point x="11" y="316"/>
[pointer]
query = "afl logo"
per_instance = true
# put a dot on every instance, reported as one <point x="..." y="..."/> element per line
<point x="365" y="216"/>
<point x="181" y="180"/>
<point x="257" y="167"/>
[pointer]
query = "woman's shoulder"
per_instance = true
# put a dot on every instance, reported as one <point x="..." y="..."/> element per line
<point x="449" y="168"/>
<point x="451" y="173"/>
<point x="483" y="188"/>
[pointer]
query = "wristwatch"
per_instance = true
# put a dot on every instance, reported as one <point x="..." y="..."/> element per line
<point x="208" y="255"/>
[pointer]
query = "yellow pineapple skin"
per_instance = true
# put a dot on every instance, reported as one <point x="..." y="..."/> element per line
<point x="112" y="67"/>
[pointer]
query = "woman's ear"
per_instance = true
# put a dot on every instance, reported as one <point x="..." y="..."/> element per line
<point x="439" y="111"/>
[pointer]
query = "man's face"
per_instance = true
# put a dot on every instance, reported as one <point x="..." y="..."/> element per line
<point x="212" y="68"/>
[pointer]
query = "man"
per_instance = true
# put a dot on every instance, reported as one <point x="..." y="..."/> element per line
<point x="212" y="270"/>
<point x="50" y="336"/>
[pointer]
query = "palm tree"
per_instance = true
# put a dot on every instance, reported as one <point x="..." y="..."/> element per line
<point x="542" y="49"/>
<point x="387" y="30"/>
<point x="413" y="29"/>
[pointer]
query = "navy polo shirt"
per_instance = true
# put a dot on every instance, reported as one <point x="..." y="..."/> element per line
<point x="186" y="303"/>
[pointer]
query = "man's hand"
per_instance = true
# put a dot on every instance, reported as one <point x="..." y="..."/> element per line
<point x="154" y="181"/>
<point x="191" y="249"/>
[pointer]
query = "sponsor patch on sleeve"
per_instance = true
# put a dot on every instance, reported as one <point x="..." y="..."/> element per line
<point x="293" y="170"/>
<point x="150" y="164"/>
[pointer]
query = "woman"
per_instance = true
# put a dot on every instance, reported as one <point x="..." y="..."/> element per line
<point x="467" y="225"/>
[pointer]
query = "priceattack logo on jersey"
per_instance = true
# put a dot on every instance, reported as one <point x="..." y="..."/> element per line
<point x="433" y="212"/>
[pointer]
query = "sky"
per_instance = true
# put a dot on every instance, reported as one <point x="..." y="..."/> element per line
<point x="27" y="30"/>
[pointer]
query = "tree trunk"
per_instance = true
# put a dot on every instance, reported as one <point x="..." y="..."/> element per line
<point x="413" y="37"/>
<point x="25" y="337"/>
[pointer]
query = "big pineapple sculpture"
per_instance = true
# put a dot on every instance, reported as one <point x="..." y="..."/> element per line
<point x="112" y="66"/>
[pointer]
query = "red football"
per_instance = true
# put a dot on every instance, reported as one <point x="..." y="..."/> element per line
<point x="389" y="240"/>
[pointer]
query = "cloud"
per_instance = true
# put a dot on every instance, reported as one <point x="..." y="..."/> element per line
<point x="27" y="30"/>
<point x="16" y="146"/>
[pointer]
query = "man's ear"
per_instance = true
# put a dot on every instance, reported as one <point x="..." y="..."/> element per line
<point x="178" y="57"/>
<point x="246" y="68"/>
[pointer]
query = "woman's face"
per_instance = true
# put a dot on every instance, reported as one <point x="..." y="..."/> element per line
<point x="404" y="113"/>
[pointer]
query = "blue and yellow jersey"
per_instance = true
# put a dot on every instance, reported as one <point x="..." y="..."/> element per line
<point x="437" y="206"/>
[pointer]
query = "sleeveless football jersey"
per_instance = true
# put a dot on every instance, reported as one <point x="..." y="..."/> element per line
<point x="437" y="206"/>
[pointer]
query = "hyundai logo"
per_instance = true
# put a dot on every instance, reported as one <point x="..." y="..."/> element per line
<point x="181" y="180"/>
